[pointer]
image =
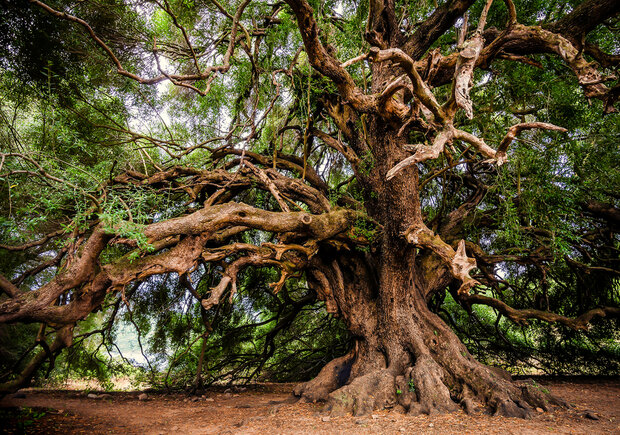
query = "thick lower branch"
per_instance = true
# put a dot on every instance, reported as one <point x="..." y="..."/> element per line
<point x="520" y="316"/>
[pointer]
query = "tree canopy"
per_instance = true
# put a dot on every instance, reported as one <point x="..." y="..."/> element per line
<point x="259" y="188"/>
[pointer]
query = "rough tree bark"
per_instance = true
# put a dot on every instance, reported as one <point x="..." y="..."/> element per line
<point x="405" y="357"/>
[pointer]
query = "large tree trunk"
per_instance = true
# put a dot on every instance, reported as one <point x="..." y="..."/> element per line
<point x="405" y="356"/>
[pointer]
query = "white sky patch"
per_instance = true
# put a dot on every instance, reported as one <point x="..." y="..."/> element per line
<point x="137" y="122"/>
<point x="339" y="9"/>
<point x="501" y="272"/>
<point x="486" y="78"/>
<point x="128" y="344"/>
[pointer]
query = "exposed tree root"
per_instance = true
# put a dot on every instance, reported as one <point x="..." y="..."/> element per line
<point x="426" y="388"/>
<point x="375" y="390"/>
<point x="425" y="379"/>
<point x="331" y="377"/>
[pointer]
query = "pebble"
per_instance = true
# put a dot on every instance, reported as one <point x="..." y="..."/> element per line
<point x="92" y="396"/>
<point x="431" y="425"/>
<point x="209" y="399"/>
<point x="540" y="410"/>
<point x="143" y="396"/>
<point x="239" y="424"/>
<point x="325" y="419"/>
<point x="374" y="416"/>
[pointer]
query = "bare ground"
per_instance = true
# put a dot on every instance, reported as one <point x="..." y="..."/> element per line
<point x="269" y="409"/>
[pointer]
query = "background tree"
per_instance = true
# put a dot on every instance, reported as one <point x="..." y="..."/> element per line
<point x="395" y="160"/>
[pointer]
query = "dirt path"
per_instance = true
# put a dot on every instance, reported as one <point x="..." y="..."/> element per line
<point x="271" y="411"/>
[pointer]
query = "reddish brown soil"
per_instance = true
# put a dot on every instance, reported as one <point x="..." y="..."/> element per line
<point x="270" y="410"/>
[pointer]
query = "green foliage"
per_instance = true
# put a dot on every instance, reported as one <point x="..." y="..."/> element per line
<point x="259" y="336"/>
<point x="15" y="341"/>
<point x="411" y="385"/>
<point x="366" y="230"/>
<point x="63" y="107"/>
<point x="539" y="348"/>
<point x="26" y="417"/>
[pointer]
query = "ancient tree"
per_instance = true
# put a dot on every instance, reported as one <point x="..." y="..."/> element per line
<point x="348" y="145"/>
